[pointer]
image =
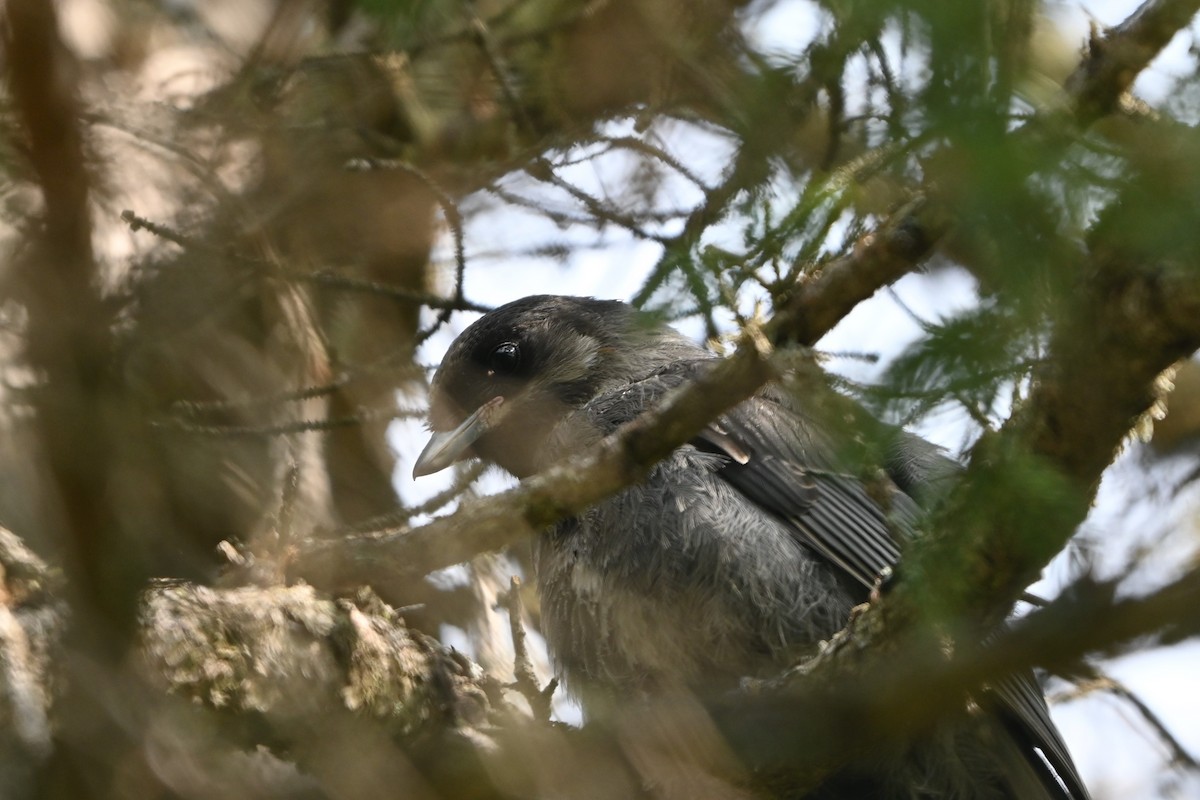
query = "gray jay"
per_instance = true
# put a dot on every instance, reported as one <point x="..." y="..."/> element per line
<point x="739" y="552"/>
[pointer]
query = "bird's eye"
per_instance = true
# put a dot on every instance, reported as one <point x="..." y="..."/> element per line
<point x="504" y="359"/>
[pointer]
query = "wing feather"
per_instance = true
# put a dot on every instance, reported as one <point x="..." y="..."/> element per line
<point x="778" y="460"/>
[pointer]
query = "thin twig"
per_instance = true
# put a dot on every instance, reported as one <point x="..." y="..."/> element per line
<point x="639" y="145"/>
<point x="483" y="38"/>
<point x="543" y="170"/>
<point x="137" y="223"/>
<point x="286" y="428"/>
<point x="320" y="278"/>
<point x="1099" y="682"/>
<point x="450" y="211"/>
<point x="747" y="171"/>
<point x="525" y="678"/>
<point x="339" y="281"/>
<point x="394" y="520"/>
<point x="596" y="220"/>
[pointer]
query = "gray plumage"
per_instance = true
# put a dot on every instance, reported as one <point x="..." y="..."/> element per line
<point x="736" y="554"/>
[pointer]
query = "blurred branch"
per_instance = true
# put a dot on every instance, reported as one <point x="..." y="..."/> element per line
<point x="298" y="426"/>
<point x="320" y="278"/>
<point x="869" y="697"/>
<point x="346" y="691"/>
<point x="644" y="148"/>
<point x="526" y="681"/>
<point x="1097" y="682"/>
<point x="330" y="683"/>
<point x="42" y="77"/>
<point x="1129" y="318"/>
<point x="32" y="623"/>
<point x="348" y="283"/>
<point x="747" y="171"/>
<point x="91" y="455"/>
<point x="601" y="211"/>
<point x="464" y="476"/>
<point x="69" y="336"/>
<point x="450" y="212"/>
<point x="879" y="258"/>
<point x="1114" y="60"/>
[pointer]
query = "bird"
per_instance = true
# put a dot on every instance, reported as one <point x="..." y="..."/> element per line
<point x="735" y="555"/>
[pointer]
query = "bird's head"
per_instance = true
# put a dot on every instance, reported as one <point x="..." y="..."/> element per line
<point x="518" y="371"/>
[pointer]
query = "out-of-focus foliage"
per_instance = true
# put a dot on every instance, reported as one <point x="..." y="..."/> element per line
<point x="966" y="360"/>
<point x="202" y="388"/>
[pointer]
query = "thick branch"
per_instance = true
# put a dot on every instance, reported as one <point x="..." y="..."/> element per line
<point x="69" y="329"/>
<point x="42" y="79"/>
<point x="877" y="260"/>
<point x="865" y="703"/>
<point x="32" y="620"/>
<point x="1130" y="314"/>
<point x="245" y="651"/>
<point x="1114" y="61"/>
<point x="1029" y="485"/>
<point x="347" y="693"/>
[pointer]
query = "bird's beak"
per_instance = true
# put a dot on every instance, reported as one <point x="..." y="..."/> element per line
<point x="446" y="447"/>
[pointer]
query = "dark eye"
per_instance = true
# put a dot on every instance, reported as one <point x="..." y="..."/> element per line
<point x="505" y="358"/>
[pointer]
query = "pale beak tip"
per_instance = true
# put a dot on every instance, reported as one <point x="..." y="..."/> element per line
<point x="446" y="447"/>
<point x="434" y="457"/>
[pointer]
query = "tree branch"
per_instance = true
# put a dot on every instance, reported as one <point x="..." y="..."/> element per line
<point x="627" y="455"/>
<point x="1114" y="61"/>
<point x="866" y="701"/>
<point x="1029" y="485"/>
<point x="42" y="74"/>
<point x="1098" y="682"/>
